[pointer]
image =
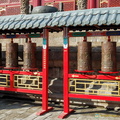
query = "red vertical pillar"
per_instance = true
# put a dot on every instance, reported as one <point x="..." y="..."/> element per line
<point x="66" y="70"/>
<point x="65" y="73"/>
<point x="91" y="4"/>
<point x="36" y="3"/>
<point x="42" y="2"/>
<point x="108" y="3"/>
<point x="45" y="60"/>
<point x="97" y="3"/>
<point x="88" y="4"/>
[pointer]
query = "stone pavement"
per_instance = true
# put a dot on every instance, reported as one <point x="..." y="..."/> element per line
<point x="13" y="109"/>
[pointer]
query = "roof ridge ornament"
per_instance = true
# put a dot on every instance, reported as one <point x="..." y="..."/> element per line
<point x="44" y="9"/>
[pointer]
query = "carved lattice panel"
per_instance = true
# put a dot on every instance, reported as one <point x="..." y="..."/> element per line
<point x="4" y="80"/>
<point x="94" y="87"/>
<point x="103" y="3"/>
<point x="28" y="82"/>
<point x="2" y="11"/>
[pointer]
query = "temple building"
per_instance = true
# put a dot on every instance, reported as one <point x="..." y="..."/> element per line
<point x="12" y="7"/>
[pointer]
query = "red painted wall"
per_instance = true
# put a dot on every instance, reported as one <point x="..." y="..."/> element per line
<point x="91" y="4"/>
<point x="67" y="4"/>
<point x="114" y="3"/>
<point x="36" y="2"/>
<point x="103" y="3"/>
<point x="12" y="7"/>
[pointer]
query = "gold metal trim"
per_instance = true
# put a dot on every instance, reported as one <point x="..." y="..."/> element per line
<point x="4" y="80"/>
<point x="28" y="82"/>
<point x="94" y="87"/>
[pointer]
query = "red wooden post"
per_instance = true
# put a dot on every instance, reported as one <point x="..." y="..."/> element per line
<point x="97" y="3"/>
<point x="88" y="4"/>
<point x="108" y="3"/>
<point x="65" y="73"/>
<point x="45" y="60"/>
<point x="36" y="3"/>
<point x="91" y="4"/>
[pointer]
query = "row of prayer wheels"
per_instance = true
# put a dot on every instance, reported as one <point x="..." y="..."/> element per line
<point x="29" y="55"/>
<point x="108" y="56"/>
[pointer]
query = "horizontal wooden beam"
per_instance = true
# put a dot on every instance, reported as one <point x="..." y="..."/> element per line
<point x="93" y="34"/>
<point x="21" y="36"/>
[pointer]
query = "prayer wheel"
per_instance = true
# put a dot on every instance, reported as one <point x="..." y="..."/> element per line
<point x="29" y="56"/>
<point x="84" y="58"/>
<point x="11" y="55"/>
<point x="108" y="57"/>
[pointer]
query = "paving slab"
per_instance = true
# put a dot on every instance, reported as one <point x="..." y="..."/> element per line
<point x="12" y="109"/>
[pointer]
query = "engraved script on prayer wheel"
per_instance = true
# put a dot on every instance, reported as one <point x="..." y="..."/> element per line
<point x="29" y="56"/>
<point x="84" y="59"/>
<point x="11" y="55"/>
<point x="108" y="57"/>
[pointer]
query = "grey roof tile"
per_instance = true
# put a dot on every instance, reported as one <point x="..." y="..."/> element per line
<point x="37" y="23"/>
<point x="63" y="21"/>
<point x="95" y="19"/>
<point x="54" y="21"/>
<point x="103" y="19"/>
<point x="89" y="17"/>
<point x="31" y="23"/>
<point x="24" y="24"/>
<point x="111" y="19"/>
<point x="118" y="19"/>
<point x="12" y="25"/>
<point x="18" y="24"/>
<point x="86" y="20"/>
<point x="43" y="23"/>
<point x="6" y="26"/>
<point x="71" y="20"/>
<point x="78" y="20"/>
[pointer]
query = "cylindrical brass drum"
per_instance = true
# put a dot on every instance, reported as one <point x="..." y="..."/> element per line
<point x="29" y="56"/>
<point x="108" y="57"/>
<point x="11" y="55"/>
<point x="84" y="59"/>
<point x="0" y="54"/>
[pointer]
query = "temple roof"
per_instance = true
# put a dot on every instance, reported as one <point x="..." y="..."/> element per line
<point x="98" y="18"/>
